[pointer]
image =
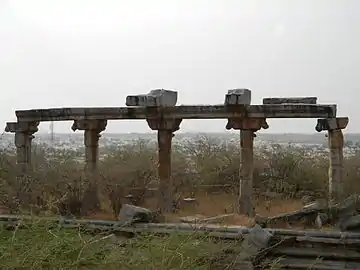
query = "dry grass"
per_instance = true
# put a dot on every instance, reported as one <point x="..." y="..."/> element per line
<point x="58" y="181"/>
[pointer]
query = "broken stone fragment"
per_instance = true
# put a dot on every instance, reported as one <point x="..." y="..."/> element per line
<point x="351" y="223"/>
<point x="134" y="214"/>
<point x="156" y="98"/>
<point x="257" y="240"/>
<point x="238" y="97"/>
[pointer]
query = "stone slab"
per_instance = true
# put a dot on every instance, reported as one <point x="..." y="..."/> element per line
<point x="238" y="97"/>
<point x="180" y="112"/>
<point x="290" y="100"/>
<point x="156" y="98"/>
<point x="332" y="123"/>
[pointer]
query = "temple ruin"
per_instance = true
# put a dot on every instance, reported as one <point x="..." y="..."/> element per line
<point x="159" y="109"/>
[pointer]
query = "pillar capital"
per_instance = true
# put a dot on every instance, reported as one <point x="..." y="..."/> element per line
<point x="22" y="127"/>
<point x="93" y="125"/>
<point x="330" y="124"/>
<point x="162" y="124"/>
<point x="253" y="124"/>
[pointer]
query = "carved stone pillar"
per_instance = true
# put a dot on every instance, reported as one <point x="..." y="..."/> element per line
<point x="92" y="130"/>
<point x="23" y="137"/>
<point x="165" y="130"/>
<point x="334" y="128"/>
<point x="247" y="128"/>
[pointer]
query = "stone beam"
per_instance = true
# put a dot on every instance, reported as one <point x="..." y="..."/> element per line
<point x="156" y="98"/>
<point x="181" y="112"/>
<point x="165" y="130"/>
<point x="291" y="100"/>
<point x="334" y="127"/>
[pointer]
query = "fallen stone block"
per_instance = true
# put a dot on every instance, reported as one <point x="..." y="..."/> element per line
<point x="257" y="240"/>
<point x="350" y="224"/>
<point x="130" y="214"/>
<point x="238" y="97"/>
<point x="156" y="98"/>
<point x="193" y="219"/>
<point x="290" y="100"/>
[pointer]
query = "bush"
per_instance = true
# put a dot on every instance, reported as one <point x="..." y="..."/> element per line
<point x="58" y="183"/>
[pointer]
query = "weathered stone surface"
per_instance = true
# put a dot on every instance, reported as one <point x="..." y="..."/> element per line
<point x="253" y="124"/>
<point x="181" y="112"/>
<point x="134" y="214"/>
<point x="156" y="98"/>
<point x="291" y="100"/>
<point x="24" y="127"/>
<point x="238" y="97"/>
<point x="96" y="125"/>
<point x="331" y="123"/>
<point x="161" y="124"/>
<point x="257" y="240"/>
<point x="351" y="223"/>
<point x="193" y="219"/>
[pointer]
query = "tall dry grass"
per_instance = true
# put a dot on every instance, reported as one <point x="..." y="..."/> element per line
<point x="203" y="166"/>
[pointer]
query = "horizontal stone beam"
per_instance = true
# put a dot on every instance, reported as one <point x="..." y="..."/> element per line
<point x="291" y="100"/>
<point x="331" y="123"/>
<point x="156" y="98"/>
<point x="180" y="112"/>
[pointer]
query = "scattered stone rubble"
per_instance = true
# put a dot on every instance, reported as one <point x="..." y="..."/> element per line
<point x="265" y="248"/>
<point x="344" y="216"/>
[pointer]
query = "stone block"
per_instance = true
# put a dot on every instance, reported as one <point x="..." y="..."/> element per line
<point x="156" y="98"/>
<point x="332" y="123"/>
<point x="134" y="214"/>
<point x="238" y="97"/>
<point x="290" y="100"/>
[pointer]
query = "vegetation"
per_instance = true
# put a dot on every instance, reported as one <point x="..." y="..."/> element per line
<point x="57" y="184"/>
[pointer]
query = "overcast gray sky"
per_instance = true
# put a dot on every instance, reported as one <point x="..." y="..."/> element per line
<point x="93" y="53"/>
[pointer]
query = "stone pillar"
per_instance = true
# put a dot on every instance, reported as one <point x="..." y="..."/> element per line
<point x="165" y="134"/>
<point x="92" y="130"/>
<point x="247" y="127"/>
<point x="155" y="100"/>
<point x="334" y="127"/>
<point x="23" y="137"/>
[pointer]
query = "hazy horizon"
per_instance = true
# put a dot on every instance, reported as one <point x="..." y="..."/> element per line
<point x="95" y="53"/>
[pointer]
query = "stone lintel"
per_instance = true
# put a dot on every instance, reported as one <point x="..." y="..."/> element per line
<point x="290" y="100"/>
<point x="181" y="112"/>
<point x="155" y="98"/>
<point x="331" y="123"/>
<point x="253" y="124"/>
<point x="22" y="127"/>
<point x="94" y="125"/>
<point x="162" y="124"/>
<point x="238" y="97"/>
